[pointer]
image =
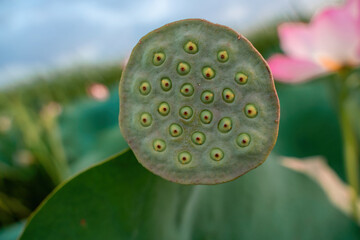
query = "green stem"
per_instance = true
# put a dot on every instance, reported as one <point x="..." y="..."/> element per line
<point x="350" y="146"/>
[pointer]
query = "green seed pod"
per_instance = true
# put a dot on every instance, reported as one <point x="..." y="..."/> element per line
<point x="165" y="84"/>
<point x="228" y="95"/>
<point x="225" y="125"/>
<point x="159" y="145"/>
<point x="159" y="58"/>
<point x="145" y="119"/>
<point x="223" y="56"/>
<point x="191" y="47"/>
<point x="243" y="140"/>
<point x="187" y="89"/>
<point x="186" y="112"/>
<point x="251" y="111"/>
<point x="198" y="138"/>
<point x="216" y="154"/>
<point x="145" y="88"/>
<point x="208" y="73"/>
<point x="183" y="68"/>
<point x="216" y="61"/>
<point x="241" y="78"/>
<point x="184" y="157"/>
<point x="207" y="97"/>
<point x="206" y="116"/>
<point x="164" y="108"/>
<point x="175" y="130"/>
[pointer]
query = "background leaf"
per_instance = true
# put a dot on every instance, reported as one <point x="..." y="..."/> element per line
<point x="119" y="199"/>
<point x="309" y="124"/>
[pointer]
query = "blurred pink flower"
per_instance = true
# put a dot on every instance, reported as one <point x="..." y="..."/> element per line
<point x="99" y="91"/>
<point x="5" y="123"/>
<point x="329" y="42"/>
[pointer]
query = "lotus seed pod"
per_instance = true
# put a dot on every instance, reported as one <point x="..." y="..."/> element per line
<point x="199" y="136"/>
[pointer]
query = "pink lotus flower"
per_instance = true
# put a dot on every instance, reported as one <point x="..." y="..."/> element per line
<point x="328" y="43"/>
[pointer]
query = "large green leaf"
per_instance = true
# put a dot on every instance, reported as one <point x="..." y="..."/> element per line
<point x="119" y="199"/>
<point x="309" y="123"/>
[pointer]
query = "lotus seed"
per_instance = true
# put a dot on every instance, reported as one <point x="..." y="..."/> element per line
<point x="175" y="130"/>
<point x="187" y="89"/>
<point x="145" y="88"/>
<point x="184" y="157"/>
<point x="183" y="68"/>
<point x="223" y="56"/>
<point x="250" y="111"/>
<point x="186" y="112"/>
<point x="159" y="58"/>
<point x="228" y="95"/>
<point x="216" y="154"/>
<point x="241" y="78"/>
<point x="225" y="125"/>
<point x="159" y="145"/>
<point x="198" y="138"/>
<point x="206" y="116"/>
<point x="191" y="47"/>
<point x="208" y="73"/>
<point x="207" y="97"/>
<point x="164" y="108"/>
<point x="145" y="119"/>
<point x="243" y="140"/>
<point x="166" y="84"/>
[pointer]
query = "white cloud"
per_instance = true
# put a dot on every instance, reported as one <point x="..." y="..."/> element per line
<point x="84" y="53"/>
<point x="235" y="13"/>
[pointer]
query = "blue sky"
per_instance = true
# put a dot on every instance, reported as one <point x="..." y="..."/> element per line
<point x="39" y="35"/>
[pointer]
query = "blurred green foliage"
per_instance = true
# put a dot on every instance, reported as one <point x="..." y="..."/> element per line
<point x="44" y="126"/>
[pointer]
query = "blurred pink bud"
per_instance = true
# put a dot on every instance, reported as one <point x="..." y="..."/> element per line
<point x="98" y="91"/>
<point x="5" y="124"/>
<point x="23" y="158"/>
<point x="51" y="109"/>
<point x="328" y="43"/>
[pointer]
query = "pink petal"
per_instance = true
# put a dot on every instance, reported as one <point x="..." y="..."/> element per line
<point x="336" y="32"/>
<point x="297" y="40"/>
<point x="292" y="70"/>
<point x="353" y="8"/>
